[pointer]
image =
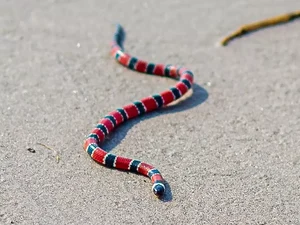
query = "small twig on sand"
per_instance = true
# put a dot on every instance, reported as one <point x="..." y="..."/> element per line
<point x="244" y="29"/>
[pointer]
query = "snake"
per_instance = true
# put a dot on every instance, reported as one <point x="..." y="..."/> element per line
<point x="112" y="120"/>
<point x="185" y="79"/>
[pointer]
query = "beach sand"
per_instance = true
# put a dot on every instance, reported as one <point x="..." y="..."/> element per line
<point x="229" y="153"/>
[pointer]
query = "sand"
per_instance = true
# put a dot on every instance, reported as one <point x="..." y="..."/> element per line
<point x="229" y="153"/>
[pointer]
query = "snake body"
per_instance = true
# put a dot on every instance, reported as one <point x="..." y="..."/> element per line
<point x="113" y="119"/>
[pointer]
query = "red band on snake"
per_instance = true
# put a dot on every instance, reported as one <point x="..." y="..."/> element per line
<point x="113" y="119"/>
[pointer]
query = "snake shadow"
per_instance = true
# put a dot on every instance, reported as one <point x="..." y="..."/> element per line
<point x="199" y="95"/>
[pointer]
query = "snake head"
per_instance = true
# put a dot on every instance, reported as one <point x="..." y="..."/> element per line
<point x="158" y="189"/>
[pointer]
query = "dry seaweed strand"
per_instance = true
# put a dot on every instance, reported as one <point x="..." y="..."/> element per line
<point x="260" y="24"/>
<point x="46" y="146"/>
<point x="57" y="157"/>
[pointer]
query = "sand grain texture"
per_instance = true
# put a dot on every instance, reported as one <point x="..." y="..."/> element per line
<point x="231" y="157"/>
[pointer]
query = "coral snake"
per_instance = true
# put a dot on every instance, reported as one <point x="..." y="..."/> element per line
<point x="148" y="104"/>
<point x="184" y="79"/>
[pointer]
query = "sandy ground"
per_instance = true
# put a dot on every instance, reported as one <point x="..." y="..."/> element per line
<point x="230" y="153"/>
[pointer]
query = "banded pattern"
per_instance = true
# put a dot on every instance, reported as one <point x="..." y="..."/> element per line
<point x="107" y="124"/>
